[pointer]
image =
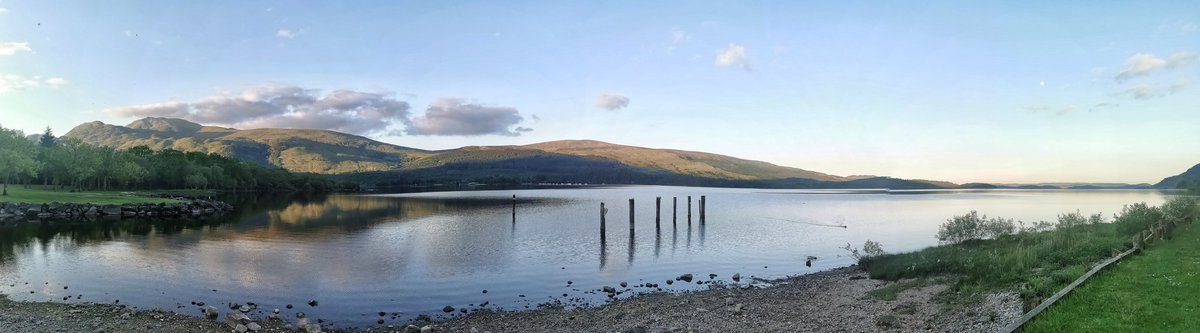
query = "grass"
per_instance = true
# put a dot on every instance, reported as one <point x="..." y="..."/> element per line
<point x="1154" y="291"/>
<point x="1035" y="264"/>
<point x="39" y="195"/>
<point x="889" y="293"/>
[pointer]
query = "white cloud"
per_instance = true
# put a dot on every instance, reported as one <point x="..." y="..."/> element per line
<point x="1180" y="59"/>
<point x="612" y="102"/>
<point x="12" y="82"/>
<point x="3" y="10"/>
<point x="1046" y="108"/>
<point x="56" y="82"/>
<point x="680" y="36"/>
<point x="285" y="33"/>
<point x="455" y="116"/>
<point x="11" y="48"/>
<point x="734" y="55"/>
<point x="286" y="106"/>
<point x="1141" y="91"/>
<point x="1141" y="64"/>
<point x="1179" y="85"/>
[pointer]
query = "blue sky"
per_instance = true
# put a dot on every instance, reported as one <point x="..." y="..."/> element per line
<point x="996" y="92"/>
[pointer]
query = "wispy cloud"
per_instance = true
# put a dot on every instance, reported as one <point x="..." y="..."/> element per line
<point x="455" y="116"/>
<point x="286" y="106"/>
<point x="1101" y="106"/>
<point x="680" y="36"/>
<point x="1141" y="64"/>
<point x="286" y="33"/>
<point x="1179" y="85"/>
<point x="11" y="82"/>
<point x="1141" y="91"/>
<point x="11" y="48"/>
<point x="1060" y="111"/>
<point x="734" y="55"/>
<point x="3" y="10"/>
<point x="1180" y="59"/>
<point x="612" y="102"/>
<point x="56" y="82"/>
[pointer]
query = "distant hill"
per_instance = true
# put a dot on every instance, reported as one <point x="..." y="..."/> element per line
<point x="569" y="161"/>
<point x="298" y="150"/>
<point x="1192" y="174"/>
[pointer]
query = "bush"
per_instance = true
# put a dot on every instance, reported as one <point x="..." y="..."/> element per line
<point x="1070" y="220"/>
<point x="972" y="226"/>
<point x="1136" y="217"/>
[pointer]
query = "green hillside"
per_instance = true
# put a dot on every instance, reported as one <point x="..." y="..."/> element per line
<point x="368" y="161"/>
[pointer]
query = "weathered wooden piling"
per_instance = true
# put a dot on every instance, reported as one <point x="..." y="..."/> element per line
<point x="602" y="212"/>
<point x="514" y="208"/>
<point x="631" y="217"/>
<point x="689" y="210"/>
<point x="674" y="211"/>
<point x="657" y="211"/>
<point x="702" y="209"/>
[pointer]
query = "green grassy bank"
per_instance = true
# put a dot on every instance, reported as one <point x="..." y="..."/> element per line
<point x="1036" y="260"/>
<point x="39" y="195"/>
<point x="1154" y="291"/>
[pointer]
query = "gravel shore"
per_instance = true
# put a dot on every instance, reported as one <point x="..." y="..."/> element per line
<point x="830" y="301"/>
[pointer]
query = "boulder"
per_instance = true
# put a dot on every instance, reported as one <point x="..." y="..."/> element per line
<point x="685" y="277"/>
<point x="211" y="312"/>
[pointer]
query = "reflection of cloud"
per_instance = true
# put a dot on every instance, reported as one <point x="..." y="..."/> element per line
<point x="734" y="55"/>
<point x="612" y="102"/>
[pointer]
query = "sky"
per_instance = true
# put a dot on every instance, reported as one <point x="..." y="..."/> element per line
<point x="1003" y="91"/>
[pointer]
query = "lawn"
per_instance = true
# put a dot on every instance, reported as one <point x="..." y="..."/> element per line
<point x="1154" y="291"/>
<point x="38" y="195"/>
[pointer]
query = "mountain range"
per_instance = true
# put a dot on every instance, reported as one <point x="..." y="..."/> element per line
<point x="370" y="162"/>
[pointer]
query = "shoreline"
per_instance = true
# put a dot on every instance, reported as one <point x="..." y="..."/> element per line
<point x="831" y="300"/>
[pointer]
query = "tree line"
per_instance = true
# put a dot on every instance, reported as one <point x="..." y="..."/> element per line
<point x="70" y="164"/>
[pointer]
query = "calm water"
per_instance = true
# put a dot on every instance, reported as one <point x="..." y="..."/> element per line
<point x="416" y="253"/>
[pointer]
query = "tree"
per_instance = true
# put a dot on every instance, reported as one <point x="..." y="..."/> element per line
<point x="48" y="139"/>
<point x="18" y="156"/>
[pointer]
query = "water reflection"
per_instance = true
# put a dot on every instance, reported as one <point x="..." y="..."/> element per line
<point x="416" y="253"/>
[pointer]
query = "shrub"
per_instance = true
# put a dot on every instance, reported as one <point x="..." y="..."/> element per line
<point x="871" y="249"/>
<point x="1136" y="217"/>
<point x="1070" y="220"/>
<point x="972" y="226"/>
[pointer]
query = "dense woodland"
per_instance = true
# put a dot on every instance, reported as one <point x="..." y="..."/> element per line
<point x="69" y="164"/>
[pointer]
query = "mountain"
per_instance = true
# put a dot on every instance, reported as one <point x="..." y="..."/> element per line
<point x="1192" y="174"/>
<point x="299" y="150"/>
<point x="367" y="161"/>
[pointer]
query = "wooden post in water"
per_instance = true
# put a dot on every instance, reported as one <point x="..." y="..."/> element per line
<point x="631" y="217"/>
<point x="674" y="210"/>
<point x="689" y="210"/>
<point x="514" y="209"/>
<point x="602" y="212"/>
<point x="657" y="211"/>
<point x="702" y="209"/>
